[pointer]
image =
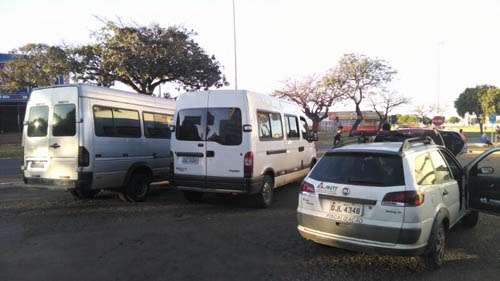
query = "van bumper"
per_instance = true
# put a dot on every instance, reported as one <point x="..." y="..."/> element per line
<point x="359" y="237"/>
<point x="84" y="181"/>
<point x="218" y="184"/>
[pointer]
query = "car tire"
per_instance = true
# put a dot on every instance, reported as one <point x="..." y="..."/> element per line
<point x="265" y="197"/>
<point x="193" y="196"/>
<point x="471" y="219"/>
<point x="80" y="193"/>
<point x="434" y="257"/>
<point x="137" y="187"/>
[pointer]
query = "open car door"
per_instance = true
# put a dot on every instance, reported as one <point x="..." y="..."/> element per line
<point x="453" y="142"/>
<point x="483" y="182"/>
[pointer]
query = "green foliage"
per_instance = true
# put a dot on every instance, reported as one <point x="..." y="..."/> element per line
<point x="35" y="65"/>
<point x="469" y="101"/>
<point x="406" y="119"/>
<point x="490" y="101"/>
<point x="453" y="120"/>
<point x="144" y="57"/>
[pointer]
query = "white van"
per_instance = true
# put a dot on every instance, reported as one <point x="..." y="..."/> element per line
<point x="87" y="138"/>
<point x="239" y="142"/>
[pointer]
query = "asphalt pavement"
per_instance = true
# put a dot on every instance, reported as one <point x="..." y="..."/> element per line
<point x="47" y="235"/>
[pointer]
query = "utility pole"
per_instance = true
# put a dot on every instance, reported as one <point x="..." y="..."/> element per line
<point x="234" y="39"/>
<point x="438" y="85"/>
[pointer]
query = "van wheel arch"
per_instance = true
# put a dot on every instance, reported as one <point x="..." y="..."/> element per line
<point x="142" y="167"/>
<point x="137" y="182"/>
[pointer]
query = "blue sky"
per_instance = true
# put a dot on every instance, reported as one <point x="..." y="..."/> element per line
<point x="281" y="39"/>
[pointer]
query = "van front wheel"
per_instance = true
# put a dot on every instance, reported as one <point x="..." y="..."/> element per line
<point x="137" y="187"/>
<point x="264" y="198"/>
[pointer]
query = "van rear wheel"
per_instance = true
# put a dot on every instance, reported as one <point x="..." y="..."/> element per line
<point x="264" y="198"/>
<point x="193" y="196"/>
<point x="137" y="187"/>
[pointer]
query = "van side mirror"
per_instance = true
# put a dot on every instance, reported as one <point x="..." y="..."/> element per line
<point x="311" y="136"/>
<point x="486" y="170"/>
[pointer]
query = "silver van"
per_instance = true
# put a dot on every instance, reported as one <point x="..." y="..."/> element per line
<point x="87" y="138"/>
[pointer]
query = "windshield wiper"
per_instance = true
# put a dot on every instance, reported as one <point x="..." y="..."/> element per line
<point x="362" y="180"/>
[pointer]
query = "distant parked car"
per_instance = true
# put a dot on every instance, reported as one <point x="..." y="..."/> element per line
<point x="449" y="139"/>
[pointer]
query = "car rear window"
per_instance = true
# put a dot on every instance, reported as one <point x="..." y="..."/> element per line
<point x="38" y="121"/>
<point x="360" y="169"/>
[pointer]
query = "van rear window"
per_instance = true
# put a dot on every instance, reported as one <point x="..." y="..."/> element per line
<point x="190" y="125"/>
<point x="360" y="169"/>
<point x="224" y="125"/>
<point x="63" y="121"/>
<point x="38" y="121"/>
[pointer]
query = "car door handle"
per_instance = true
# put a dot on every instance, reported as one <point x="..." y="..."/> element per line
<point x="55" y="145"/>
<point x="491" y="185"/>
<point x="445" y="192"/>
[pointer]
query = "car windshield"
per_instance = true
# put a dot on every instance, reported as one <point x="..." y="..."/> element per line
<point x="360" y="169"/>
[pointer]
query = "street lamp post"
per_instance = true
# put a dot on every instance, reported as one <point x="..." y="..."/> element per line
<point x="234" y="41"/>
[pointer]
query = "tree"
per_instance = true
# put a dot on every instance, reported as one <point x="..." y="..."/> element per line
<point x="407" y="119"/>
<point x="384" y="102"/>
<point x="469" y="102"/>
<point x="35" y="65"/>
<point x="453" y="120"/>
<point x="422" y="111"/>
<point x="144" y="57"/>
<point x="363" y="75"/>
<point x="313" y="96"/>
<point x="490" y="101"/>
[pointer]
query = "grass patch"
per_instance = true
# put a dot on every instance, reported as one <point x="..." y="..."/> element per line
<point x="11" y="150"/>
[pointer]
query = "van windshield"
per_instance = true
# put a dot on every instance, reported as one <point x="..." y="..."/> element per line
<point x="38" y="121"/>
<point x="360" y="169"/>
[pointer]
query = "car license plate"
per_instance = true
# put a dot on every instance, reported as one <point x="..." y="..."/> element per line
<point x="190" y="160"/>
<point x="346" y="212"/>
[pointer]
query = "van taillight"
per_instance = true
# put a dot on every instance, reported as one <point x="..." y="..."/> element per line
<point x="248" y="164"/>
<point x="83" y="157"/>
<point x="307" y="187"/>
<point x="403" y="199"/>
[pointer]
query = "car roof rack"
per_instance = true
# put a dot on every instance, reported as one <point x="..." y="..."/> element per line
<point x="407" y="143"/>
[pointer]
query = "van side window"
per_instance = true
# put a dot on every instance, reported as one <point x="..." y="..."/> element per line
<point x="442" y="171"/>
<point x="115" y="122"/>
<point x="38" y="121"/>
<point x="276" y="126"/>
<point x="264" y="125"/>
<point x="190" y="123"/>
<point x="424" y="170"/>
<point x="303" y="127"/>
<point x="292" y="128"/>
<point x="63" y="120"/>
<point x="270" y="125"/>
<point x="224" y="125"/>
<point x="156" y="125"/>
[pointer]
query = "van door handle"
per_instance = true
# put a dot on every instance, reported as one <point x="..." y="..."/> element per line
<point x="55" y="145"/>
<point x="210" y="153"/>
<point x="301" y="148"/>
<point x="445" y="192"/>
<point x="200" y="145"/>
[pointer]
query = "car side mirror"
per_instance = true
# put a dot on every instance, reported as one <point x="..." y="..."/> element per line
<point x="486" y="170"/>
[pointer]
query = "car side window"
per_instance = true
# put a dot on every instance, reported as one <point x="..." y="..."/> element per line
<point x="424" y="170"/>
<point x="456" y="170"/>
<point x="442" y="171"/>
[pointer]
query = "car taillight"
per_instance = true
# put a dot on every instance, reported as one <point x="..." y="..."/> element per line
<point x="248" y="164"/>
<point x="83" y="157"/>
<point x="403" y="199"/>
<point x="307" y="187"/>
